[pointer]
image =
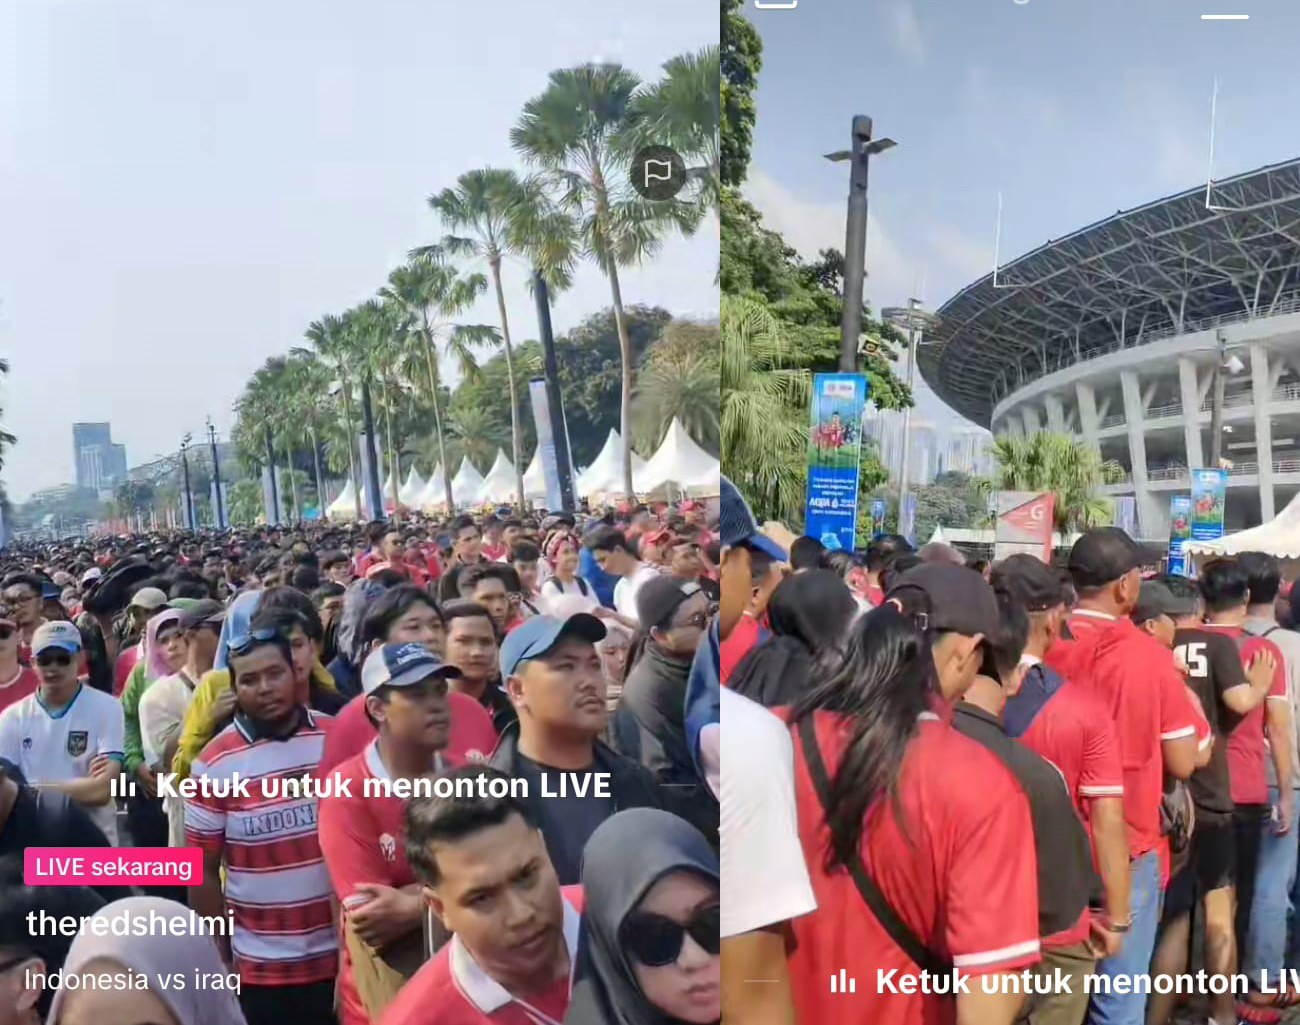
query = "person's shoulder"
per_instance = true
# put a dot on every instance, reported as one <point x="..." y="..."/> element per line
<point x="431" y="990"/>
<point x="98" y="699"/>
<point x="745" y="721"/>
<point x="966" y="771"/>
<point x="213" y="682"/>
<point x="220" y="747"/>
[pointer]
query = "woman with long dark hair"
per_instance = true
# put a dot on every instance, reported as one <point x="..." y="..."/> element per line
<point x="809" y="615"/>
<point x="918" y="841"/>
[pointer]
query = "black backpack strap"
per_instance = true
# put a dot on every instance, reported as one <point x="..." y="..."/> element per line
<point x="898" y="930"/>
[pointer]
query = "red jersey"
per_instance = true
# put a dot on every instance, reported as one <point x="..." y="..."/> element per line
<point x="365" y="560"/>
<point x="277" y="884"/>
<point x="1246" y="750"/>
<point x="125" y="662"/>
<point x="744" y="635"/>
<point x="963" y="878"/>
<point x="23" y="683"/>
<point x="452" y="989"/>
<point x="1133" y="677"/>
<point x="470" y="737"/>
<point x="361" y="838"/>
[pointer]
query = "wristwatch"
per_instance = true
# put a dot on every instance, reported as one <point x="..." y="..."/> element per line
<point x="1112" y="926"/>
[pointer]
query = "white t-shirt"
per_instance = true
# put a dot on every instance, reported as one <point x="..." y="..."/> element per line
<point x="764" y="877"/>
<point x="626" y="588"/>
<point x="162" y="710"/>
<point x="59" y="747"/>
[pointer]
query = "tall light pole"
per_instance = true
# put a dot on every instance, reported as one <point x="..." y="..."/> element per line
<point x="913" y="319"/>
<point x="219" y="514"/>
<point x="185" y="470"/>
<point x="862" y="148"/>
<point x="1216" y="403"/>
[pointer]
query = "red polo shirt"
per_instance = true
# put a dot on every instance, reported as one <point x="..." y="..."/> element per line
<point x="963" y="878"/>
<point x="24" y="682"/>
<point x="452" y="989"/>
<point x="747" y="632"/>
<point x="1246" y="751"/>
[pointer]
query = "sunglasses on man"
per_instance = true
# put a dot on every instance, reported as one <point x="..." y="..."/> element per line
<point x="655" y="940"/>
<point x="54" y="657"/>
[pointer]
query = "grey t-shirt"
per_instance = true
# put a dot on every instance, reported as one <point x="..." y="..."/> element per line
<point x="569" y="821"/>
<point x="1288" y="642"/>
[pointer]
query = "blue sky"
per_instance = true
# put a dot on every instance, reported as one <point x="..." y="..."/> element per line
<point x="186" y="184"/>
<point x="1073" y="110"/>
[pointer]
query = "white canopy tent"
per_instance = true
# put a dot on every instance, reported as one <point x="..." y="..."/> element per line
<point x="434" y="492"/>
<point x="465" y="485"/>
<point x="1279" y="537"/>
<point x="605" y="474"/>
<point x="410" y="492"/>
<point x="499" y="484"/>
<point x="679" y="464"/>
<point x="386" y="495"/>
<point x="535" y="478"/>
<point x="345" y="506"/>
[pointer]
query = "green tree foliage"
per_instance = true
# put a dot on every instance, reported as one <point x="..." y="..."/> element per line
<point x="741" y="60"/>
<point x="954" y="500"/>
<point x="1068" y="467"/>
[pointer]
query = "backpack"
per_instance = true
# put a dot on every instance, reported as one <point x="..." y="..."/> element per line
<point x="582" y="586"/>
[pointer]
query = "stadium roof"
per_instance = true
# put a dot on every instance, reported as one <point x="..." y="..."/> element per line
<point x="1160" y="270"/>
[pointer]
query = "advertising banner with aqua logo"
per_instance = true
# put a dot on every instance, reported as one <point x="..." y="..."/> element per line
<point x="1180" y="529"/>
<point x="1208" y="490"/>
<point x="834" y="449"/>
<point x="877" y="517"/>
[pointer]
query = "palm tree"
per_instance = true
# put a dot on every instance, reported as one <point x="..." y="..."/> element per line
<point x="764" y="421"/>
<point x="379" y="324"/>
<point x="683" y="110"/>
<point x="334" y="340"/>
<point x="308" y="381"/>
<point x="1068" y="467"/>
<point x="501" y="214"/>
<point x="429" y="290"/>
<point x="478" y="435"/>
<point x="583" y="131"/>
<point x="685" y="388"/>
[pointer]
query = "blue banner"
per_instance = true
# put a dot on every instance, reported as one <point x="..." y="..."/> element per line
<point x="834" y="449"/>
<point x="877" y="517"/>
<point x="1180" y="529"/>
<point x="546" y="441"/>
<point x="1208" y="490"/>
<point x="907" y="518"/>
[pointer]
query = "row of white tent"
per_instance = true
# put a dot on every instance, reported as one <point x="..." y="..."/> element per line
<point x="679" y="466"/>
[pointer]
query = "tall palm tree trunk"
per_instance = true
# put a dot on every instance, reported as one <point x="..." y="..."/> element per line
<point x="320" y="480"/>
<point x="352" y="463"/>
<point x="437" y="411"/>
<point x="620" y="324"/>
<point x="495" y="263"/>
<point x="394" y="467"/>
<point x="293" y="485"/>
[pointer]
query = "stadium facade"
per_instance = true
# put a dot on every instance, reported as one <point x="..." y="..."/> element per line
<point x="1112" y="334"/>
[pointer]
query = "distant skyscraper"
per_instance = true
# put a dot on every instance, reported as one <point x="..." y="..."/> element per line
<point x="100" y="463"/>
<point x="933" y="449"/>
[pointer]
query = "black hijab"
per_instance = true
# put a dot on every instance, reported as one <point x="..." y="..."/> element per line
<point x="809" y="614"/>
<point x="626" y="855"/>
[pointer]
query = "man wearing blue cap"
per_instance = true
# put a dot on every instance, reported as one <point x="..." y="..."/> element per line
<point x="553" y="675"/>
<point x="66" y="736"/>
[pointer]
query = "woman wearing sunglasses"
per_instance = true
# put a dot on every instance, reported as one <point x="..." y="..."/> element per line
<point x="648" y="952"/>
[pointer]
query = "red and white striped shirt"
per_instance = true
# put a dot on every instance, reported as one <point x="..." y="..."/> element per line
<point x="277" y="885"/>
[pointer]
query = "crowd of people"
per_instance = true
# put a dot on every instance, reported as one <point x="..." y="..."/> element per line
<point x="575" y="654"/>
<point x="1074" y="787"/>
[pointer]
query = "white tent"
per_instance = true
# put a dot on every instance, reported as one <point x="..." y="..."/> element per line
<point x="345" y="506"/>
<point x="937" y="538"/>
<point x="386" y="495"/>
<point x="410" y="492"/>
<point x="499" y="484"/>
<point x="465" y="485"/>
<point x="535" y="478"/>
<point x="434" y="492"/>
<point x="605" y="474"/>
<point x="681" y="464"/>
<point x="1279" y="537"/>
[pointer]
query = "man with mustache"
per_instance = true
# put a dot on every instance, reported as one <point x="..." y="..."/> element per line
<point x="552" y="672"/>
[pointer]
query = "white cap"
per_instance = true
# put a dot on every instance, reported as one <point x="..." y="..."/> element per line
<point x="91" y="575"/>
<point x="57" y="633"/>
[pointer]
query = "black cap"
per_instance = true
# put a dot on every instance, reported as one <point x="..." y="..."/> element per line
<point x="1155" y="599"/>
<point x="958" y="599"/>
<point x="1029" y="581"/>
<point x="1103" y="555"/>
<point x="657" y="599"/>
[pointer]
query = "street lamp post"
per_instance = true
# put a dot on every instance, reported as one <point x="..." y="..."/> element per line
<point x="913" y="319"/>
<point x="862" y="149"/>
<point x="374" y="495"/>
<point x="219" y="514"/>
<point x="185" y="471"/>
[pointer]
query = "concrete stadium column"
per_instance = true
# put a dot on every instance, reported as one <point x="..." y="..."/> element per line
<point x="1261" y="393"/>
<point x="1135" y="415"/>
<point x="1089" y="421"/>
<point x="1191" y="397"/>
<point x="1055" y="413"/>
<point x="1032" y="422"/>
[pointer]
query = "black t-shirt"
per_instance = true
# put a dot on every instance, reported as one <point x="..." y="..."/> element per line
<point x="569" y="821"/>
<point x="48" y="818"/>
<point x="1213" y="666"/>
<point x="1066" y="877"/>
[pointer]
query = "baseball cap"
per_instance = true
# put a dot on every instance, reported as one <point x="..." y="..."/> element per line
<point x="56" y="634"/>
<point x="657" y="537"/>
<point x="736" y="523"/>
<point x="1154" y="599"/>
<point x="91" y="575"/>
<point x="537" y="635"/>
<point x="402" y="665"/>
<point x="1102" y="555"/>
<point x="202" y="612"/>
<point x="149" y="598"/>
<point x="657" y="599"/>
<point x="956" y="598"/>
<point x="1029" y="581"/>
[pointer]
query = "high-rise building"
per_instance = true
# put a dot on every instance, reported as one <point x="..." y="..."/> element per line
<point x="100" y="463"/>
